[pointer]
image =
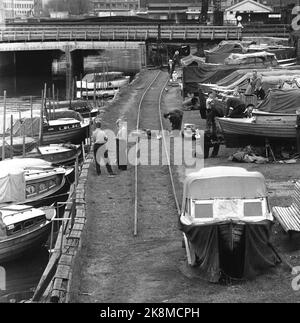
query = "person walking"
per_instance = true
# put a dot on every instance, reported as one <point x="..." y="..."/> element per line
<point x="100" y="150"/>
<point x="121" y="143"/>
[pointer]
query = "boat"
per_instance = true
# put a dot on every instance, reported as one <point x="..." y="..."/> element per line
<point x="226" y="222"/>
<point x="222" y="51"/>
<point x="274" y="120"/>
<point x="33" y="182"/>
<point x="65" y="130"/>
<point x="18" y="143"/>
<point x="83" y="107"/>
<point x="57" y="154"/>
<point x="98" y="93"/>
<point x="103" y="81"/>
<point x="23" y="229"/>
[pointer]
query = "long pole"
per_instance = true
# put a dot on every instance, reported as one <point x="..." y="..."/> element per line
<point x="31" y="116"/>
<point x="4" y="126"/>
<point x="41" y="120"/>
<point x="11" y="137"/>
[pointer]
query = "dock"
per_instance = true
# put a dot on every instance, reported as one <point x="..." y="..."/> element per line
<point x="103" y="261"/>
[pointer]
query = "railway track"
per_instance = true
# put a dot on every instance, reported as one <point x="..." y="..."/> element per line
<point x="155" y="192"/>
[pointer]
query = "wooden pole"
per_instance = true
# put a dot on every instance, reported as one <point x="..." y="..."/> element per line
<point x="4" y="126"/>
<point x="75" y="88"/>
<point x="80" y="86"/>
<point x="94" y="90"/>
<point x="11" y="137"/>
<point x="298" y="131"/>
<point x="31" y="115"/>
<point x="77" y="170"/>
<point x="41" y="120"/>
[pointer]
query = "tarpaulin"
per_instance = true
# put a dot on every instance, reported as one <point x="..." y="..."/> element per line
<point x="252" y="256"/>
<point x="281" y="101"/>
<point x="223" y="50"/>
<point x="12" y="185"/>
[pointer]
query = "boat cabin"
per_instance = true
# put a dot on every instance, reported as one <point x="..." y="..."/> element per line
<point x="260" y="58"/>
<point x="16" y="219"/>
<point x="62" y="124"/>
<point x="219" y="194"/>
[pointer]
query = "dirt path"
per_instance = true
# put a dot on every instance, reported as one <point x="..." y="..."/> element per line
<point x="152" y="267"/>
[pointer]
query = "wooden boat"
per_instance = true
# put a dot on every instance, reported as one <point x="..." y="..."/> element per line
<point x="254" y="131"/>
<point x="219" y="203"/>
<point x="102" y="81"/>
<point x="17" y="148"/>
<point x="83" y="107"/>
<point x="60" y="154"/>
<point x="99" y="93"/>
<point x="33" y="181"/>
<point x="65" y="130"/>
<point x="23" y="229"/>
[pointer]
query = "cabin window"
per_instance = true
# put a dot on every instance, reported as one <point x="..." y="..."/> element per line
<point x="30" y="190"/>
<point x="28" y="224"/>
<point x="52" y="183"/>
<point x="17" y="228"/>
<point x="203" y="210"/>
<point x="253" y="209"/>
<point x="43" y="187"/>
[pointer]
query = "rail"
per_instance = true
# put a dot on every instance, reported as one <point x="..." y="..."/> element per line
<point x="164" y="147"/>
<point x="116" y="32"/>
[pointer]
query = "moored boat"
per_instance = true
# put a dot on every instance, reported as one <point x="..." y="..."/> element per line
<point x="23" y="229"/>
<point x="33" y="181"/>
<point x="226" y="221"/>
<point x="99" y="93"/>
<point x="103" y="81"/>
<point x="19" y="143"/>
<point x="65" y="130"/>
<point x="60" y="154"/>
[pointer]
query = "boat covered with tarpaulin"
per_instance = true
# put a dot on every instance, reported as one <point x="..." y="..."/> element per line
<point x="226" y="221"/>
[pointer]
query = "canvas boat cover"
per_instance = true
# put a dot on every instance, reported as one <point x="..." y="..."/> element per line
<point x="219" y="53"/>
<point x="281" y="101"/>
<point x="254" y="255"/>
<point x="224" y="183"/>
<point x="192" y="60"/>
<point x="12" y="185"/>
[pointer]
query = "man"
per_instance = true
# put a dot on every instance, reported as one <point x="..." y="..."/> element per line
<point x="175" y="117"/>
<point x="100" y="139"/>
<point x="211" y="113"/>
<point x="121" y="141"/>
<point x="191" y="102"/>
<point x="255" y="86"/>
<point x="236" y="108"/>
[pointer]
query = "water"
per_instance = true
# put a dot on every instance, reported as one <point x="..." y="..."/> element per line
<point x="24" y="274"/>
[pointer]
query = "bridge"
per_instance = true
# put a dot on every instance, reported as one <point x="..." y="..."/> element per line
<point x="32" y="33"/>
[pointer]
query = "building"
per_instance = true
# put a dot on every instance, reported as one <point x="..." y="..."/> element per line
<point x="114" y="7"/>
<point x="248" y="11"/>
<point x="18" y="8"/>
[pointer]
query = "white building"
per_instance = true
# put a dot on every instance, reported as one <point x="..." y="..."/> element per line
<point x="18" y="8"/>
<point x="246" y="8"/>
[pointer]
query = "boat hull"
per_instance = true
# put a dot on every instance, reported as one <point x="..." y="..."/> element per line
<point x="242" y="132"/>
<point x="102" y="85"/>
<point x="16" y="247"/>
<point x="75" y="136"/>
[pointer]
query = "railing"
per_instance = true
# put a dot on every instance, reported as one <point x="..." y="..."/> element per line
<point x="281" y="31"/>
<point x="138" y="33"/>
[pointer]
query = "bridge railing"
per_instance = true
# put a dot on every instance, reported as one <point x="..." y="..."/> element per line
<point x="281" y="31"/>
<point x="165" y="32"/>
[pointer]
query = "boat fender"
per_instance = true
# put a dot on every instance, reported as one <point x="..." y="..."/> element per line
<point x="49" y="213"/>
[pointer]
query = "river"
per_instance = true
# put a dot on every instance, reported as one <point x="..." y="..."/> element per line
<point x="23" y="275"/>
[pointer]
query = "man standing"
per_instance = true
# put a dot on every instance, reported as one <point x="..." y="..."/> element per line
<point x="100" y="150"/>
<point x="255" y="86"/>
<point x="121" y="142"/>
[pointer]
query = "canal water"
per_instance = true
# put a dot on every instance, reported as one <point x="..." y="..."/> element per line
<point x="23" y="275"/>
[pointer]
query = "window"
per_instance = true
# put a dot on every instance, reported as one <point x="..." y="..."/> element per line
<point x="253" y="209"/>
